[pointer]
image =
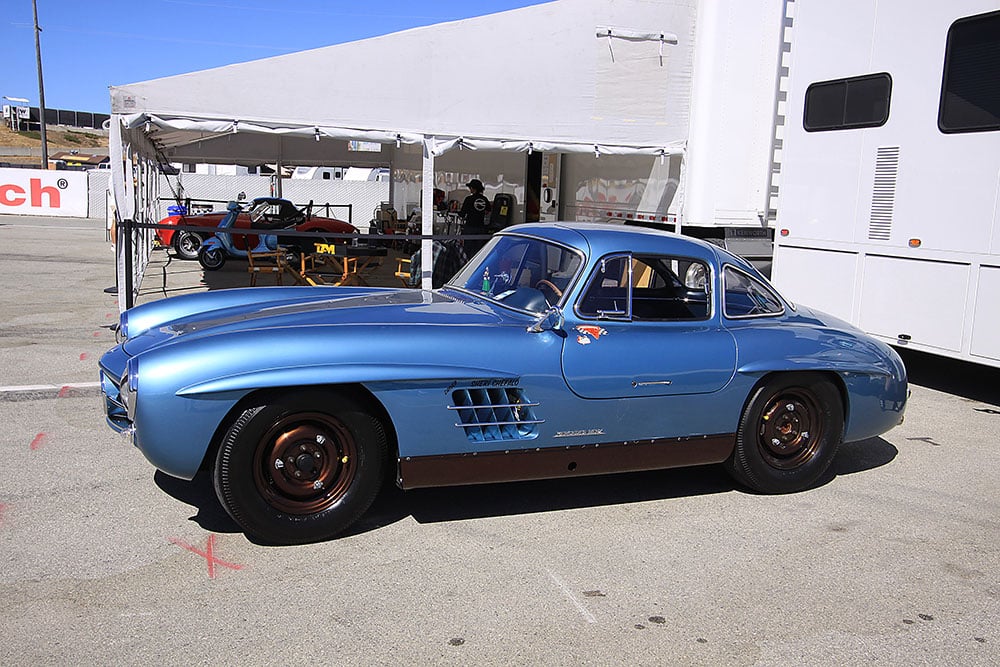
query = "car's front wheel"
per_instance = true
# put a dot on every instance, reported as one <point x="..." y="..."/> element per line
<point x="789" y="433"/>
<point x="300" y="466"/>
<point x="186" y="244"/>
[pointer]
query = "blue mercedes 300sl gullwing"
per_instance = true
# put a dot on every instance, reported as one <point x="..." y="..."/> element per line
<point x="559" y="350"/>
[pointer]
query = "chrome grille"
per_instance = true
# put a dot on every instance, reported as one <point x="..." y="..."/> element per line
<point x="495" y="414"/>
<point x="114" y="406"/>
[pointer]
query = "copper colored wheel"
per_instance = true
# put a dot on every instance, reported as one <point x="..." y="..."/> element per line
<point x="305" y="463"/>
<point x="790" y="430"/>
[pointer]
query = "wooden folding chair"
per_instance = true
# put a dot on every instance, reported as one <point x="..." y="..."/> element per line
<point x="403" y="271"/>
<point x="265" y="262"/>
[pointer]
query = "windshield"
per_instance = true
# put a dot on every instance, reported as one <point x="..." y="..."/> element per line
<point x="524" y="273"/>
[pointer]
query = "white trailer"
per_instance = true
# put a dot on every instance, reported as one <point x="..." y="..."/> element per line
<point x="729" y="58"/>
<point x="713" y="79"/>
<point x="889" y="212"/>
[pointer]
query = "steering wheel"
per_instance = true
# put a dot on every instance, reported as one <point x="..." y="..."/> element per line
<point x="546" y="283"/>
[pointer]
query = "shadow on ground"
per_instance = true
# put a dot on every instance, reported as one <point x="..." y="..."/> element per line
<point x="952" y="376"/>
<point x="495" y="500"/>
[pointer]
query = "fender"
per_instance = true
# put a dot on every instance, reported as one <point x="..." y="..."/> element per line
<point x="336" y="374"/>
<point x="791" y="364"/>
<point x="148" y="316"/>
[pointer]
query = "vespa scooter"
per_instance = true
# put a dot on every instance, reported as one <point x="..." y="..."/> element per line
<point x="213" y="252"/>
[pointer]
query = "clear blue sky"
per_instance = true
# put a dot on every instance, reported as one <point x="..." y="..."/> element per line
<point x="88" y="45"/>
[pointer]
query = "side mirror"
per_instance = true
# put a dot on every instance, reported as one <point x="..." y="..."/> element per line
<point x="552" y="320"/>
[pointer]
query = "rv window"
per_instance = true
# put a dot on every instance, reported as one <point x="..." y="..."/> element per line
<point x="861" y="101"/>
<point x="970" y="88"/>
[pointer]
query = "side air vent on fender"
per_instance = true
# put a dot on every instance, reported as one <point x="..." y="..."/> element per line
<point x="495" y="414"/>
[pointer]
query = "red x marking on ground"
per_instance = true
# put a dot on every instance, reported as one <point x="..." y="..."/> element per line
<point x="208" y="554"/>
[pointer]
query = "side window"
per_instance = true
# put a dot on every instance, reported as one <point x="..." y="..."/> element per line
<point x="861" y="101"/>
<point x="745" y="296"/>
<point x="970" y="87"/>
<point x="607" y="294"/>
<point x="646" y="288"/>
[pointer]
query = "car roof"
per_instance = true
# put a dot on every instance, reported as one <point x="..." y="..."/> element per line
<point x="598" y="239"/>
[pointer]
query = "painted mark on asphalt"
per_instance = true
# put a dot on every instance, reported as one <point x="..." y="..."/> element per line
<point x="84" y="356"/>
<point x="572" y="598"/>
<point x="929" y="441"/>
<point x="208" y="554"/>
<point x="39" y="440"/>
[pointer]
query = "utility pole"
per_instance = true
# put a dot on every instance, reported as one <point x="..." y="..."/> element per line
<point x="41" y="88"/>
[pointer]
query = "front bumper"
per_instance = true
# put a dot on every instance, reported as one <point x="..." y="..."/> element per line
<point x="112" y="372"/>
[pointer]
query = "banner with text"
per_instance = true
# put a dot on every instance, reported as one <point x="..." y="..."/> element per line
<point x="43" y="192"/>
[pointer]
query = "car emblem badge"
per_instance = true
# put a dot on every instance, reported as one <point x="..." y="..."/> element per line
<point x="589" y="330"/>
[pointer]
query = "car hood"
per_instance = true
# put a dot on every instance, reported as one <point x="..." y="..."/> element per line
<point x="376" y="308"/>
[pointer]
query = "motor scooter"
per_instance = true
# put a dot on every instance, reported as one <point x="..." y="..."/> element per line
<point x="215" y="250"/>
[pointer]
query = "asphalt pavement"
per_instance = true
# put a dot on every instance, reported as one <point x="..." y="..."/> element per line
<point x="892" y="560"/>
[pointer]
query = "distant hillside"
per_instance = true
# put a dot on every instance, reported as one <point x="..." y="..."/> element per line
<point x="58" y="139"/>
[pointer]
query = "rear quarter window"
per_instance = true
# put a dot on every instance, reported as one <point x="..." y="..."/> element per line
<point x="745" y="296"/>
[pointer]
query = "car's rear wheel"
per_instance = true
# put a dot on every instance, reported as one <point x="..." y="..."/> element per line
<point x="301" y="466"/>
<point x="186" y="244"/>
<point x="789" y="433"/>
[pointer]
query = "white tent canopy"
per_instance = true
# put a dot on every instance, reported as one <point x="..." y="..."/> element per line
<point x="598" y="76"/>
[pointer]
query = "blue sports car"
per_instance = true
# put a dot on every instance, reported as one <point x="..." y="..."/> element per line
<point x="560" y="349"/>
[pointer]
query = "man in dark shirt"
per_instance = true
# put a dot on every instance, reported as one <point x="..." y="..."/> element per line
<point x="474" y="210"/>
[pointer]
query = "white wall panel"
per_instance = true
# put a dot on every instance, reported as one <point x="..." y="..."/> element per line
<point x="921" y="299"/>
<point x="986" y="322"/>
<point x="820" y="279"/>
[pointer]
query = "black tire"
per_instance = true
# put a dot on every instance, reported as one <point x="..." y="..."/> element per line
<point x="301" y="466"/>
<point x="789" y="433"/>
<point x="186" y="244"/>
<point x="211" y="259"/>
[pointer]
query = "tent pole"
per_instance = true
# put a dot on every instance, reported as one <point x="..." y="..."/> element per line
<point x="427" y="217"/>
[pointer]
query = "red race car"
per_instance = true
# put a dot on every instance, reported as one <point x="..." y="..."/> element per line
<point x="270" y="212"/>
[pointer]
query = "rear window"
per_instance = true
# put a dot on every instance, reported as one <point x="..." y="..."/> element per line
<point x="745" y="296"/>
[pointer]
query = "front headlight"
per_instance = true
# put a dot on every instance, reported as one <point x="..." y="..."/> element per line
<point x="129" y="386"/>
<point x="121" y="333"/>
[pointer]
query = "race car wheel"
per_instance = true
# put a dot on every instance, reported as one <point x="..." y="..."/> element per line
<point x="186" y="244"/>
<point x="300" y="467"/>
<point x="789" y="433"/>
<point x="211" y="259"/>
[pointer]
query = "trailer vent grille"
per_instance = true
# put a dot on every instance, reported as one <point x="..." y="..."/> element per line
<point x="883" y="193"/>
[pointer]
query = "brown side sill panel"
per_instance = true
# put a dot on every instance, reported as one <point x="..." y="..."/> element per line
<point x="518" y="465"/>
